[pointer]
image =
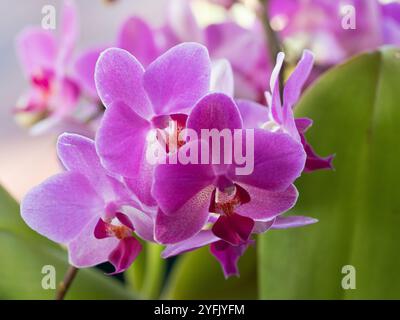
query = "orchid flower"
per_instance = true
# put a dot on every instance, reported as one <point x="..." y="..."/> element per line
<point x="139" y="100"/>
<point x="279" y="117"/>
<point x="87" y="210"/>
<point x="237" y="200"/>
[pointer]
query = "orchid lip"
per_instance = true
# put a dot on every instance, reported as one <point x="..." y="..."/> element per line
<point x="119" y="227"/>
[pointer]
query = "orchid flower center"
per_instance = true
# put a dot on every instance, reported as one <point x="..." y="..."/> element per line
<point x="43" y="79"/>
<point x="118" y="231"/>
<point x="225" y="202"/>
<point x="119" y="227"/>
<point x="230" y="226"/>
<point x="169" y="129"/>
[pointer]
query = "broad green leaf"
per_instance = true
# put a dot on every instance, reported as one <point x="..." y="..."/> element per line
<point x="197" y="275"/>
<point x="146" y="274"/>
<point x="23" y="254"/>
<point x="356" y="111"/>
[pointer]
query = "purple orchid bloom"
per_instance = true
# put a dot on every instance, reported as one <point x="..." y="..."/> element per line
<point x="139" y="100"/>
<point x="87" y="210"/>
<point x="227" y="254"/>
<point x="280" y="117"/>
<point x="237" y="200"/>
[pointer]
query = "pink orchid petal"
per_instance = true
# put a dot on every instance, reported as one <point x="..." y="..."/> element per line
<point x="61" y="206"/>
<point x="178" y="78"/>
<point x="296" y="81"/>
<point x="278" y="161"/>
<point x="215" y="111"/>
<point x="37" y="50"/>
<point x="292" y="222"/>
<point x="85" y="250"/>
<point x="121" y="140"/>
<point x="85" y="66"/>
<point x="137" y="37"/>
<point x="78" y="153"/>
<point x="119" y="77"/>
<point x="254" y="115"/>
<point x="124" y="254"/>
<point x="264" y="204"/>
<point x="186" y="221"/>
<point x="184" y="181"/>
<point x="69" y="32"/>
<point x="228" y="256"/>
<point x="234" y="228"/>
<point x="199" y="240"/>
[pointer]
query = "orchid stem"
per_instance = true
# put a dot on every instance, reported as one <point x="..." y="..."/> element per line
<point x="273" y="43"/>
<point x="66" y="283"/>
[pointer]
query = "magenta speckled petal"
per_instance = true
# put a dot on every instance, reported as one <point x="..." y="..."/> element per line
<point x="264" y="204"/>
<point x="188" y="220"/>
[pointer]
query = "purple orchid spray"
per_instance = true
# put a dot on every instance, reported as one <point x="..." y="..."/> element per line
<point x="110" y="193"/>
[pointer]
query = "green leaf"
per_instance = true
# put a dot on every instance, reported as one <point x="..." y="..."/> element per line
<point x="146" y="274"/>
<point x="356" y="111"/>
<point x="23" y="254"/>
<point x="197" y="275"/>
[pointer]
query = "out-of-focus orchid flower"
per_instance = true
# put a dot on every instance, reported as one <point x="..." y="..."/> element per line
<point x="245" y="49"/>
<point x="44" y="59"/>
<point x="139" y="100"/>
<point x="320" y="26"/>
<point x="52" y="100"/>
<point x="87" y="210"/>
<point x="280" y="117"/>
<point x="238" y="200"/>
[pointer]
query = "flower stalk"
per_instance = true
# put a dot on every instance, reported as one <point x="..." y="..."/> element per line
<point x="273" y="43"/>
<point x="66" y="283"/>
